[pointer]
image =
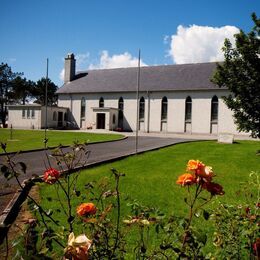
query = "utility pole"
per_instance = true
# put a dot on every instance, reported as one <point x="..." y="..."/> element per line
<point x="46" y="105"/>
<point x="137" y="103"/>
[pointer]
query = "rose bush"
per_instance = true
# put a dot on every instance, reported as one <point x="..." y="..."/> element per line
<point x="108" y="231"/>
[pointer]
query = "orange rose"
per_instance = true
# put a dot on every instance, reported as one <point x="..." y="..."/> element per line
<point x="194" y="165"/>
<point x="86" y="209"/>
<point x="51" y="175"/>
<point x="213" y="188"/>
<point x="205" y="172"/>
<point x="186" y="179"/>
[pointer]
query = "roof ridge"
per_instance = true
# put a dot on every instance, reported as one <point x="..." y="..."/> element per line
<point x="149" y="66"/>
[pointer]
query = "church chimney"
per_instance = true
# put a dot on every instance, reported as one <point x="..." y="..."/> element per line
<point x="70" y="68"/>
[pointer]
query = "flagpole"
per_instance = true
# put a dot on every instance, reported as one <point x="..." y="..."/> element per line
<point x="46" y="105"/>
<point x="137" y="103"/>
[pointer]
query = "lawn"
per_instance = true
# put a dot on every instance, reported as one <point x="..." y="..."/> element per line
<point x="23" y="140"/>
<point x="151" y="177"/>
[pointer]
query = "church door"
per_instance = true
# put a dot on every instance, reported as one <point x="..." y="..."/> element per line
<point x="101" y="121"/>
<point x="60" y="119"/>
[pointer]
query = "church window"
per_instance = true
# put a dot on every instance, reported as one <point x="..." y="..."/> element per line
<point x="164" y="111"/>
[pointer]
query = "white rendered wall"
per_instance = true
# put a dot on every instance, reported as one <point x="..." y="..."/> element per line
<point x="201" y="110"/>
<point x="92" y="101"/>
<point x="51" y="123"/>
<point x="17" y="121"/>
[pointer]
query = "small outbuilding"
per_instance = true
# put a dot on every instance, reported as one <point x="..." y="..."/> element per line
<point x="33" y="116"/>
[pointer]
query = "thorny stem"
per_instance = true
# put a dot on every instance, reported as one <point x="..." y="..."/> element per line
<point x="117" y="176"/>
<point x="48" y="159"/>
<point x="204" y="203"/>
<point x="45" y="224"/>
<point x="67" y="194"/>
<point x="191" y="213"/>
<point x="69" y="203"/>
<point x="105" y="230"/>
<point x="58" y="195"/>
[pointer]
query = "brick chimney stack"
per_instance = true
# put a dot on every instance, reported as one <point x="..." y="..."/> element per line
<point x="70" y="68"/>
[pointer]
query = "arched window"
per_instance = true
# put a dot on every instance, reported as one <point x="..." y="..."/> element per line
<point x="83" y="108"/>
<point x="141" y="109"/>
<point x="121" y="104"/>
<point x="114" y="119"/>
<point x="120" y="112"/>
<point x="82" y="111"/>
<point x="214" y="109"/>
<point x="188" y="109"/>
<point x="101" y="102"/>
<point x="54" y="116"/>
<point x="164" y="110"/>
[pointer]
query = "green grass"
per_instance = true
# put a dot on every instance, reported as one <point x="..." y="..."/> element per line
<point x="23" y="140"/>
<point x="151" y="177"/>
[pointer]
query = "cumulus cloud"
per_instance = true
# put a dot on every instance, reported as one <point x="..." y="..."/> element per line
<point x="116" y="61"/>
<point x="61" y="76"/>
<point x="196" y="44"/>
<point x="166" y="39"/>
<point x="105" y="61"/>
<point x="81" y="60"/>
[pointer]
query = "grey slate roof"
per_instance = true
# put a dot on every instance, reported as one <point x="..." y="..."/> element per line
<point x="153" y="78"/>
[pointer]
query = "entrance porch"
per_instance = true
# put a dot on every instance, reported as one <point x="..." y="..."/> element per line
<point x="105" y="118"/>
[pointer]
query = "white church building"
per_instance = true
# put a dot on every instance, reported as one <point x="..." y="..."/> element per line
<point x="172" y="99"/>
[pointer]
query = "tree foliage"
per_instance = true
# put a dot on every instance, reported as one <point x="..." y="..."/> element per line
<point x="240" y="73"/>
<point x="14" y="89"/>
<point x="39" y="89"/>
<point x="22" y="90"/>
<point x="6" y="78"/>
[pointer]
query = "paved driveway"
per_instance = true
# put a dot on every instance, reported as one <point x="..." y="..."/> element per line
<point x="37" y="161"/>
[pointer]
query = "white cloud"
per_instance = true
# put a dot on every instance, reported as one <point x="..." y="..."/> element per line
<point x="166" y="39"/>
<point x="116" y="61"/>
<point x="105" y="62"/>
<point x="81" y="60"/>
<point x="196" y="44"/>
<point x="61" y="76"/>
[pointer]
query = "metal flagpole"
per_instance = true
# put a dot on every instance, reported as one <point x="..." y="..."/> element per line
<point x="46" y="105"/>
<point x="137" y="103"/>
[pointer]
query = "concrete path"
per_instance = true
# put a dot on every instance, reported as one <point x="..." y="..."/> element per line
<point x="101" y="152"/>
<point x="37" y="161"/>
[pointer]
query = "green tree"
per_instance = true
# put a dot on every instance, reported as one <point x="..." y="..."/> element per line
<point x="22" y="89"/>
<point x="240" y="73"/>
<point x="6" y="78"/>
<point x="39" y="92"/>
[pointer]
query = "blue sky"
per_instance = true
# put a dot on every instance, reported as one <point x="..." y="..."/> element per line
<point x="105" y="34"/>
